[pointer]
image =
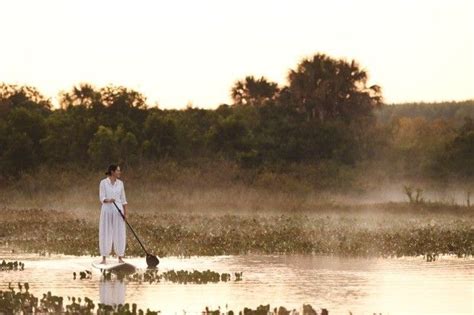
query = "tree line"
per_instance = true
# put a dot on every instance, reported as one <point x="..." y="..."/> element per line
<point x="325" y="112"/>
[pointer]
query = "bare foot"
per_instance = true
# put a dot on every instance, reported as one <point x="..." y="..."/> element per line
<point x="103" y="262"/>
<point x="120" y="260"/>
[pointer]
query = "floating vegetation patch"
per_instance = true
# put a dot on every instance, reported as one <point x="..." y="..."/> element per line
<point x="342" y="233"/>
<point x="307" y="309"/>
<point x="22" y="301"/>
<point x="12" y="266"/>
<point x="176" y="276"/>
<point x="86" y="274"/>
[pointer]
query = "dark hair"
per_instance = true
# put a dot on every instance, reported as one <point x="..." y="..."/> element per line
<point x="112" y="168"/>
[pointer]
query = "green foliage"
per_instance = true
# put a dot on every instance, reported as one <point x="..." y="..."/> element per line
<point x="68" y="134"/>
<point x="27" y="97"/>
<point x="325" y="88"/>
<point x="108" y="145"/>
<point x="181" y="276"/>
<point x="12" y="266"/>
<point x="325" y="115"/>
<point x="255" y="92"/>
<point x="128" y="146"/>
<point x="24" y="302"/>
<point x="458" y="158"/>
<point x="23" y="151"/>
<point x="454" y="112"/>
<point x="13" y="302"/>
<point x="161" y="134"/>
<point x="414" y="145"/>
<point x="104" y="147"/>
<point x="19" y="154"/>
<point x="229" y="135"/>
<point x="397" y="231"/>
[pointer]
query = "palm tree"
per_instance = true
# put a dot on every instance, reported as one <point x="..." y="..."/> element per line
<point x="326" y="88"/>
<point x="251" y="91"/>
<point x="82" y="95"/>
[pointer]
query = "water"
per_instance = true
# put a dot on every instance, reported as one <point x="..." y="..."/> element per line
<point x="362" y="286"/>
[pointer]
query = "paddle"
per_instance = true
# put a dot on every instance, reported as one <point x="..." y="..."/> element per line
<point x="151" y="261"/>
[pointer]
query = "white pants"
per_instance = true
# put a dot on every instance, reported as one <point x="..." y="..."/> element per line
<point x="111" y="230"/>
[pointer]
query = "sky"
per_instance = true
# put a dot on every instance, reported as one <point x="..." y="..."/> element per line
<point x="179" y="53"/>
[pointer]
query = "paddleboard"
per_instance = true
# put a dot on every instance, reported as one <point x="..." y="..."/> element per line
<point x="114" y="266"/>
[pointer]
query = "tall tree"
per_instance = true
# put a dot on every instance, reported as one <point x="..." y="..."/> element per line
<point x="458" y="158"/>
<point x="251" y="91"/>
<point x="121" y="97"/>
<point x="82" y="95"/>
<point x="325" y="89"/>
<point x="161" y="136"/>
<point x="14" y="96"/>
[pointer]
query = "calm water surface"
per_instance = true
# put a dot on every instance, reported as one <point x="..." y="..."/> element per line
<point x="362" y="286"/>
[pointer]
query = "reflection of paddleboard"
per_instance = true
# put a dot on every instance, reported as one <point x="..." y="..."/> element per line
<point x="115" y="266"/>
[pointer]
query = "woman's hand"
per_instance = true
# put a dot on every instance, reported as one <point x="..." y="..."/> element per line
<point x="109" y="200"/>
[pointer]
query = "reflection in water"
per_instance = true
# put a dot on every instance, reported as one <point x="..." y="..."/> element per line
<point x="112" y="292"/>
<point x="339" y="284"/>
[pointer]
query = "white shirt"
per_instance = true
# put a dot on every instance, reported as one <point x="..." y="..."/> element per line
<point x="107" y="190"/>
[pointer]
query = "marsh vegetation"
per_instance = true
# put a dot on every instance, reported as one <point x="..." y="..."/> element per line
<point x="390" y="230"/>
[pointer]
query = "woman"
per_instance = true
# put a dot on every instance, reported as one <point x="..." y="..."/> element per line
<point x="112" y="225"/>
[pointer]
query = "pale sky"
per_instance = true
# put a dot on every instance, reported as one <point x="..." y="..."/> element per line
<point x="180" y="52"/>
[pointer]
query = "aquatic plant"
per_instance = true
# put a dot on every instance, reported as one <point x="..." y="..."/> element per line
<point x="13" y="302"/>
<point x="398" y="230"/>
<point x="86" y="274"/>
<point x="21" y="301"/>
<point x="238" y="276"/>
<point x="175" y="276"/>
<point x="266" y="310"/>
<point x="12" y="266"/>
